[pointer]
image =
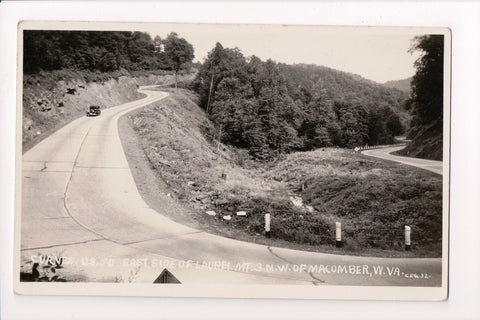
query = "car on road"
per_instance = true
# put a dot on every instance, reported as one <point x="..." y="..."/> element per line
<point x="93" y="111"/>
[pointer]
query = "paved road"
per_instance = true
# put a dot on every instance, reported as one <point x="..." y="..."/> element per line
<point x="79" y="201"/>
<point x="385" y="153"/>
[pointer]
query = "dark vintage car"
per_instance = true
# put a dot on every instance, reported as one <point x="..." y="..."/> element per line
<point x="93" y="111"/>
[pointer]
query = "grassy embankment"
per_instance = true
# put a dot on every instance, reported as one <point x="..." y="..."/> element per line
<point x="305" y="192"/>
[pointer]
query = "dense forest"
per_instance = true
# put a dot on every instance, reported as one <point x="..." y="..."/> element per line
<point x="268" y="107"/>
<point x="426" y="102"/>
<point x="98" y="51"/>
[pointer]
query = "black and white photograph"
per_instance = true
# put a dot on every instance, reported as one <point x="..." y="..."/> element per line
<point x="232" y="160"/>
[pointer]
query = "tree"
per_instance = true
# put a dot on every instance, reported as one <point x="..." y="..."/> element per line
<point x="394" y="125"/>
<point x="215" y="59"/>
<point x="179" y="52"/>
<point x="220" y="64"/>
<point x="87" y="50"/>
<point x="427" y="84"/>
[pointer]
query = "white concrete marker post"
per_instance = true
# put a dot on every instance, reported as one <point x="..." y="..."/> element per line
<point x="267" y="225"/>
<point x="338" y="234"/>
<point x="408" y="243"/>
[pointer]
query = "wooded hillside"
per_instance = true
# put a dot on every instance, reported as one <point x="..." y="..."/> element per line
<point x="426" y="103"/>
<point x="402" y="85"/>
<point x="269" y="107"/>
<point x="91" y="50"/>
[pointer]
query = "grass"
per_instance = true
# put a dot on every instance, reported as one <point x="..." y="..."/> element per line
<point x="373" y="199"/>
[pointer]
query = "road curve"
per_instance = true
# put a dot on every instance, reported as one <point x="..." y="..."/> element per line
<point x="79" y="201"/>
<point x="386" y="153"/>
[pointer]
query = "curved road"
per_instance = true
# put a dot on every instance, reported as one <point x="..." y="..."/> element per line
<point x="79" y="201"/>
<point x="385" y="153"/>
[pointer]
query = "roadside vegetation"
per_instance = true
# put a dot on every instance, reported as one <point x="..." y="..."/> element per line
<point x="256" y="136"/>
<point x="305" y="192"/>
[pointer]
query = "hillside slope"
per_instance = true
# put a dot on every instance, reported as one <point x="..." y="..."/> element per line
<point x="427" y="101"/>
<point x="402" y="85"/>
<point x="426" y="141"/>
<point x="271" y="108"/>
<point x="49" y="103"/>
<point x="304" y="192"/>
<point x="343" y="86"/>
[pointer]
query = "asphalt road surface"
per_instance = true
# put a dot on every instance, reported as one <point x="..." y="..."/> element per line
<point x="385" y="153"/>
<point x="79" y="201"/>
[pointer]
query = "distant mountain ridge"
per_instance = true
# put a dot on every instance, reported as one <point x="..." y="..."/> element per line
<point x="402" y="85"/>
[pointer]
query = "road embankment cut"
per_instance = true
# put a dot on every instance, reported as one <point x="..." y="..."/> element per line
<point x="49" y="102"/>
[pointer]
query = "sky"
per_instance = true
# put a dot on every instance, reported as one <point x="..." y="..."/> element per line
<point x="378" y="54"/>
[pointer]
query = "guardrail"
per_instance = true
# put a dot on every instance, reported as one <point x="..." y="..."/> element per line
<point x="367" y="147"/>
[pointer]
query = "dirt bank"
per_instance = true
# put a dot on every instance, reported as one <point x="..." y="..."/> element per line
<point x="49" y="102"/>
<point x="426" y="142"/>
